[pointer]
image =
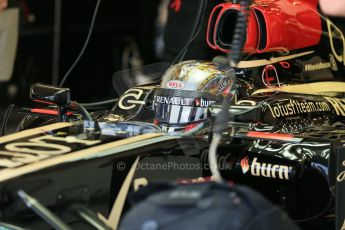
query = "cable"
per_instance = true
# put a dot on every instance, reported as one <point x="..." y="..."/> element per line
<point x="218" y="127"/>
<point x="86" y="115"/>
<point x="85" y="44"/>
<point x="196" y="30"/>
<point x="212" y="158"/>
<point x="4" y="122"/>
<point x="99" y="103"/>
<point x="224" y="115"/>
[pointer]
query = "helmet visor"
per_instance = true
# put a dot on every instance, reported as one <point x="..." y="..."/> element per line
<point x="181" y="107"/>
<point x="178" y="114"/>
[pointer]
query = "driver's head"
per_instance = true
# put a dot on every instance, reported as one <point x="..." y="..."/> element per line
<point x="187" y="90"/>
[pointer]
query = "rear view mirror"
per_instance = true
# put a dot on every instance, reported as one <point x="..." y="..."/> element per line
<point x="50" y="95"/>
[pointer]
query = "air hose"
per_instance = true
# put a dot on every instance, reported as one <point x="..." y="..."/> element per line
<point x="220" y="123"/>
<point x="240" y="33"/>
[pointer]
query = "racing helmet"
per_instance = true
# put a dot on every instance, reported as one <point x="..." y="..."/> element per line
<point x="187" y="90"/>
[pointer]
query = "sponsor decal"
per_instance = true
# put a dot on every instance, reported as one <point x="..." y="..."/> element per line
<point x="203" y="103"/>
<point x="175" y="84"/>
<point x="265" y="169"/>
<point x="317" y="66"/>
<point x="341" y="176"/>
<point x="294" y="107"/>
<point x="337" y="104"/>
<point x="174" y="100"/>
<point x="183" y="101"/>
<point x="131" y="99"/>
<point x="245" y="165"/>
<point x="35" y="149"/>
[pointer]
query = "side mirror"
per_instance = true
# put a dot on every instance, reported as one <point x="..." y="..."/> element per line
<point x="50" y="94"/>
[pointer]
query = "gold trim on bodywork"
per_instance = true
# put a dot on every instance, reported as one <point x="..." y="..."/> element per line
<point x="316" y="88"/>
<point x="92" y="152"/>
<point x="116" y="211"/>
<point x="264" y="62"/>
<point x="34" y="131"/>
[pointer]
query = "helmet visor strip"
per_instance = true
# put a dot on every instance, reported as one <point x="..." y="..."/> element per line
<point x="179" y="107"/>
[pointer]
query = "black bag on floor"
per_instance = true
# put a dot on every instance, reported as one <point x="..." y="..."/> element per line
<point x="203" y="206"/>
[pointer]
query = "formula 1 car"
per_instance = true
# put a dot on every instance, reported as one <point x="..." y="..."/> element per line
<point x="283" y="135"/>
<point x="283" y="144"/>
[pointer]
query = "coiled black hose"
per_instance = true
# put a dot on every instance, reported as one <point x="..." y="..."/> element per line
<point x="240" y="33"/>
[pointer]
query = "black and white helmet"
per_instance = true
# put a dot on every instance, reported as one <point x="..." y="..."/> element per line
<point x="187" y="90"/>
